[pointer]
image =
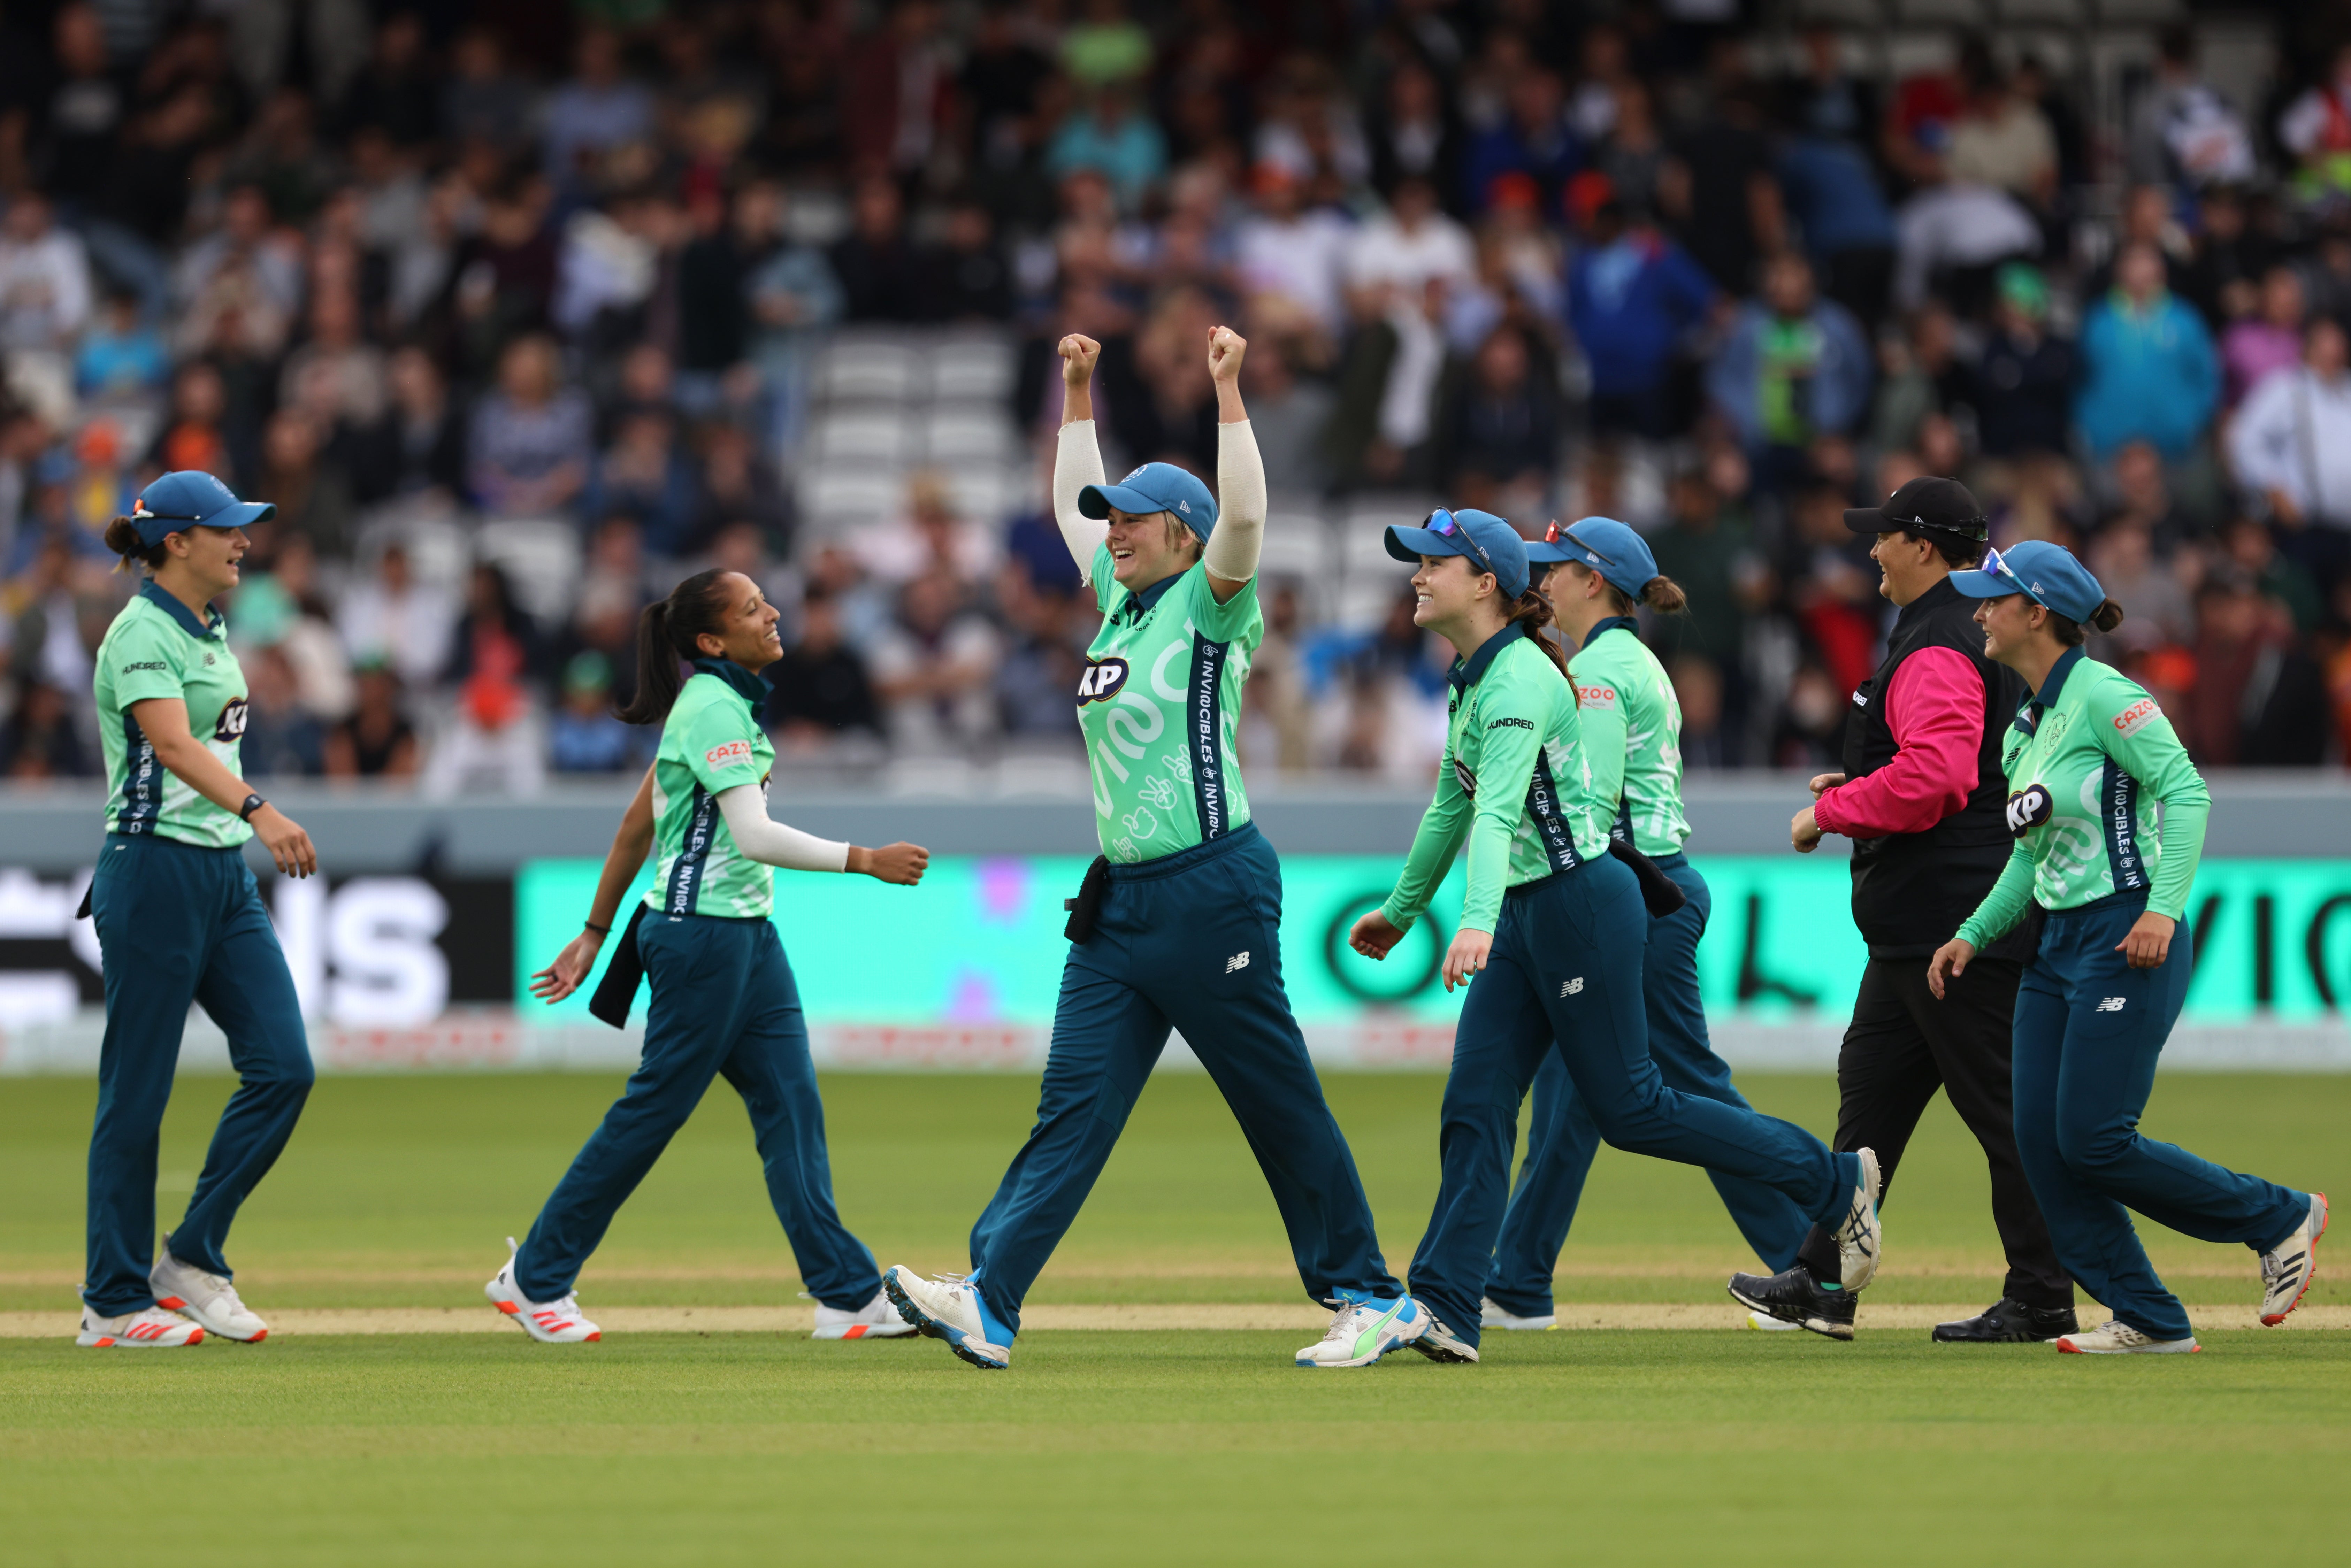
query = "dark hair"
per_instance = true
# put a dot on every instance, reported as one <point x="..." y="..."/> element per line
<point x="1532" y="611"/>
<point x="2068" y="632"/>
<point x="666" y="642"/>
<point x="1958" y="551"/>
<point x="1660" y="593"/>
<point x="123" y="538"/>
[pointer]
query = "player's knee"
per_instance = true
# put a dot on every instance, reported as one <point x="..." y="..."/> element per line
<point x="2093" y="1148"/>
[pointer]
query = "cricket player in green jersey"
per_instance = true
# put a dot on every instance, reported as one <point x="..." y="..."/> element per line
<point x="724" y="999"/>
<point x="180" y="919"/>
<point x="1552" y="931"/>
<point x="1178" y="922"/>
<point x="1631" y="727"/>
<point x="2108" y="815"/>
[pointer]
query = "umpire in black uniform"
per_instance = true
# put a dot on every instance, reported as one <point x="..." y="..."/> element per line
<point x="1921" y="797"/>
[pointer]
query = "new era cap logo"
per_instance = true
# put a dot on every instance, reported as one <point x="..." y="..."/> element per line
<point x="1183" y="505"/>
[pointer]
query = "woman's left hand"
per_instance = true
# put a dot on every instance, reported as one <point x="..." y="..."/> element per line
<point x="2149" y="942"/>
<point x="1225" y="348"/>
<point x="1467" y="957"/>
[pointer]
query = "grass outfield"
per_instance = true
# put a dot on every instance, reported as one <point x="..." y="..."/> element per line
<point x="1618" y="1447"/>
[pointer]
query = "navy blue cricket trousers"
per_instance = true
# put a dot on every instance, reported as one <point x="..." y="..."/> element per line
<point x="1562" y="1138"/>
<point x="724" y="1004"/>
<point x="2089" y="1028"/>
<point x="1192" y="940"/>
<point x="1565" y="976"/>
<point x="180" y="923"/>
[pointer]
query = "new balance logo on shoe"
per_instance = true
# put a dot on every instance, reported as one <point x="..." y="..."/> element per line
<point x="1237" y="961"/>
<point x="2110" y="1005"/>
<point x="1571" y="987"/>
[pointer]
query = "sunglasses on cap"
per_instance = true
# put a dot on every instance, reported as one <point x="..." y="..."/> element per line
<point x="1442" y="521"/>
<point x="1553" y="534"/>
<point x="1995" y="565"/>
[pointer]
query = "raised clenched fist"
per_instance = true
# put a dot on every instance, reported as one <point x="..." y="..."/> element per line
<point x="1225" y="348"/>
<point x="1079" y="353"/>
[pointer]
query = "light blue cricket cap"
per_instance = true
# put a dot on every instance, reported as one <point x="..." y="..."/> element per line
<point x="2045" y="573"/>
<point x="1155" y="487"/>
<point x="1487" y="543"/>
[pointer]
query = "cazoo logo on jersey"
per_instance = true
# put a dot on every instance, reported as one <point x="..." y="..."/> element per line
<point x="1100" y="680"/>
<point x="2136" y="716"/>
<point x="734" y="754"/>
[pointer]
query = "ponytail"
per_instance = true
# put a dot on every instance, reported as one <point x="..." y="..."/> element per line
<point x="1665" y="596"/>
<point x="1532" y="613"/>
<point x="666" y="635"/>
<point x="2069" y="632"/>
<point x="123" y="538"/>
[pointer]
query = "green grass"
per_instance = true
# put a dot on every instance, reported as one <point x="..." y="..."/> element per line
<point x="1631" y="1447"/>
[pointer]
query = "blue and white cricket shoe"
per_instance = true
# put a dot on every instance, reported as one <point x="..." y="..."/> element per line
<point x="948" y="1307"/>
<point x="1364" y="1329"/>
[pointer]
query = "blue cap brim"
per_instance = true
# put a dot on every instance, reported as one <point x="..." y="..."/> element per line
<point x="154" y="530"/>
<point x="1096" y="500"/>
<point x="1987" y="585"/>
<point x="1539" y="553"/>
<point x="1408" y="545"/>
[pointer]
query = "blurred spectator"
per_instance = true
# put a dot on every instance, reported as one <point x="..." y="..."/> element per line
<point x="2290" y="445"/>
<point x="584" y="737"/>
<point x="1043" y="659"/>
<point x="1721" y="193"/>
<point x="1831" y="192"/>
<point x="2259" y="701"/>
<point x="2316" y="126"/>
<point x="2183" y="133"/>
<point x="529" y="449"/>
<point x="822" y="688"/>
<point x="1107" y="47"/>
<point x="881" y="275"/>
<point x="1633" y="297"/>
<point x="337" y="377"/>
<point x="935" y="670"/>
<point x="1810" y="736"/>
<point x="896" y="93"/>
<point x="1708" y="549"/>
<point x="481" y="103"/>
<point x="1792" y="366"/>
<point x="2149" y="371"/>
<point x="44" y="282"/>
<point x="644" y="475"/>
<point x="1289" y="413"/>
<point x="1533" y="138"/>
<point x="598" y="110"/>
<point x="282" y="609"/>
<point x="1500" y="443"/>
<point x="193" y="435"/>
<point x="2156" y="605"/>
<point x="969" y="278"/>
<point x="2024" y="383"/>
<point x="2003" y="141"/>
<point x="1953" y="235"/>
<point x="69" y="117"/>
<point x="1111" y="135"/>
<point x="391" y="619"/>
<point x="1288" y="256"/>
<point x="283" y="737"/>
<point x="310" y="491"/>
<point x="39" y="740"/>
<point x="417" y="445"/>
<point x="1415" y="132"/>
<point x="122" y="358"/>
<point x="494" y="736"/>
<point x="2256" y="347"/>
<point x="376" y="741"/>
<point x="738" y="486"/>
<point x="930" y="536"/>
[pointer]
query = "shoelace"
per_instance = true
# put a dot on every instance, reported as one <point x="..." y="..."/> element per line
<point x="1342" y="1323"/>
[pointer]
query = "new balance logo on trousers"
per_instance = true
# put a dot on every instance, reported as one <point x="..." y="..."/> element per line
<point x="1569" y="987"/>
<point x="1237" y="961"/>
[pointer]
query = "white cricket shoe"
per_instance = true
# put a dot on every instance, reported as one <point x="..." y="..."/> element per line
<point x="1770" y="1324"/>
<point x="2287" y="1267"/>
<point x="208" y="1299"/>
<point x="1490" y="1316"/>
<point x="149" y="1328"/>
<point x="1363" y="1332"/>
<point x="877" y="1319"/>
<point x="947" y="1308"/>
<point x="2118" y="1338"/>
<point x="550" y="1323"/>
<point x="1859" y="1239"/>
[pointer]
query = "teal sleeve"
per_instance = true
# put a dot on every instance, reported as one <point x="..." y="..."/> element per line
<point x="1107" y="589"/>
<point x="1433" y="848"/>
<point x="1518" y="706"/>
<point x="1219" y="623"/>
<point x="144" y="660"/>
<point x="2143" y="741"/>
<point x="2004" y="905"/>
<point x="1600" y="723"/>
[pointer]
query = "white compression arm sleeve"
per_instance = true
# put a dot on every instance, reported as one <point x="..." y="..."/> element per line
<point x="1239" y="535"/>
<point x="1077" y="463"/>
<point x="764" y="839"/>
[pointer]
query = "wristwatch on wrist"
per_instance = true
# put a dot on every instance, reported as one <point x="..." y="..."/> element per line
<point x="252" y="803"/>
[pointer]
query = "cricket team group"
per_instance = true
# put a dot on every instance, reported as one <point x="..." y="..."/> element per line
<point x="2025" y="829"/>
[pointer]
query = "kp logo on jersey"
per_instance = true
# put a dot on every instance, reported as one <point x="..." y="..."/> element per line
<point x="231" y="724"/>
<point x="1100" y="680"/>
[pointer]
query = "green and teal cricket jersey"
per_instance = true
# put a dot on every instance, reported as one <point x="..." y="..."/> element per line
<point x="157" y="648"/>
<point x="1157" y="704"/>
<point x="711" y="742"/>
<point x="2096" y="744"/>
<point x="1631" y="727"/>
<point x="1513" y="783"/>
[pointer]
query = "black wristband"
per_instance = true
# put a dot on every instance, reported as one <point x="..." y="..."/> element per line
<point x="598" y="930"/>
<point x="252" y="803"/>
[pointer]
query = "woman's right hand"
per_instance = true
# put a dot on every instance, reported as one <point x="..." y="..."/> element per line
<point x="570" y="970"/>
<point x="1079" y="353"/>
<point x="288" y="844"/>
<point x="1950" y="960"/>
<point x="1374" y="935"/>
<point x="903" y="864"/>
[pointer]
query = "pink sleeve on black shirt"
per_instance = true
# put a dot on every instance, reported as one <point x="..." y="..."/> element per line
<point x="1936" y="709"/>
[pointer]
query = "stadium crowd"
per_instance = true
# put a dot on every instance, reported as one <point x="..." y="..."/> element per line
<point x="518" y="313"/>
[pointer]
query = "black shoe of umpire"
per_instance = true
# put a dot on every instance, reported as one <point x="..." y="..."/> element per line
<point x="2007" y="1321"/>
<point x="1795" y="1297"/>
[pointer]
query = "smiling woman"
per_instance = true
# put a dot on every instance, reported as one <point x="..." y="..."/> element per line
<point x="179" y="920"/>
<point x="724" y="998"/>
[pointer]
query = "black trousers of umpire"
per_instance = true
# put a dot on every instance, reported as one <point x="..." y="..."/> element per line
<point x="1902" y="1046"/>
